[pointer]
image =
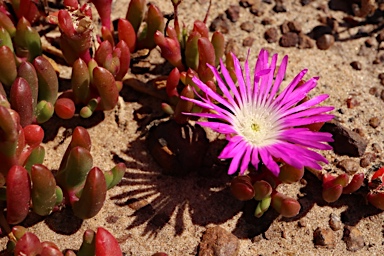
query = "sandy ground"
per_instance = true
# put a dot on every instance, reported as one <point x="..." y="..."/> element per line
<point x="178" y="210"/>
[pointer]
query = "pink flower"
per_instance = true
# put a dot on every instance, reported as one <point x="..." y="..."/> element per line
<point x="261" y="124"/>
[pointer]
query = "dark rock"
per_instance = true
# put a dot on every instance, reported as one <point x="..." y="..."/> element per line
<point x="353" y="238"/>
<point x="325" y="41"/>
<point x="220" y="23"/>
<point x="369" y="42"/>
<point x="356" y="65"/>
<point x="367" y="159"/>
<point x="267" y="21"/>
<point x="381" y="76"/>
<point x="346" y="142"/>
<point x="248" y="41"/>
<point x="280" y="6"/>
<point x="233" y="13"/>
<point x="247" y="26"/>
<point x="289" y="39"/>
<point x="382" y="93"/>
<point x="305" y="42"/>
<point x="305" y="2"/>
<point x="349" y="166"/>
<point x="319" y="31"/>
<point x="178" y="149"/>
<point x="267" y="1"/>
<point x="271" y="35"/>
<point x="335" y="222"/>
<point x="324" y="237"/>
<point x="374" y="122"/>
<point x="218" y="242"/>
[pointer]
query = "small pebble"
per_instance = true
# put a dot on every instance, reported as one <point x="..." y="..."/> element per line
<point x="382" y="95"/>
<point x="271" y="35"/>
<point x="267" y="21"/>
<point x="305" y="42"/>
<point x="325" y="41"/>
<point x="284" y="27"/>
<point x="220" y="23"/>
<point x="324" y="237"/>
<point x="356" y="65"/>
<point x="380" y="36"/>
<point x="280" y="6"/>
<point x="294" y="26"/>
<point x="256" y="9"/>
<point x="353" y="238"/>
<point x="359" y="131"/>
<point x="352" y="102"/>
<point x="335" y="222"/>
<point x="349" y="166"/>
<point x="374" y="91"/>
<point x="289" y="39"/>
<point x="381" y="76"/>
<point x="248" y="3"/>
<point x="231" y="47"/>
<point x="247" y="26"/>
<point x="367" y="159"/>
<point x="233" y="13"/>
<point x="305" y="2"/>
<point x="374" y="122"/>
<point x="302" y="223"/>
<point x="248" y="41"/>
<point x="369" y="42"/>
<point x="376" y="147"/>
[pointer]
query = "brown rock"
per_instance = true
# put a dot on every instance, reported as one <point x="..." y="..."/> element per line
<point x="335" y="222"/>
<point x="289" y="39"/>
<point x="231" y="47"/>
<point x="247" y="26"/>
<point x="256" y="10"/>
<point x="382" y="93"/>
<point x="374" y="91"/>
<point x="325" y="41"/>
<point x="305" y="42"/>
<point x="352" y="102"/>
<point x="217" y="241"/>
<point x="248" y="3"/>
<point x="248" y="41"/>
<point x="374" y="122"/>
<point x="324" y="237"/>
<point x="367" y="159"/>
<point x="284" y="27"/>
<point x="233" y="13"/>
<point x="348" y="165"/>
<point x="353" y="238"/>
<point x="271" y="35"/>
<point x="356" y="65"/>
<point x="346" y="142"/>
<point x="369" y="42"/>
<point x="220" y="23"/>
<point x="381" y="76"/>
<point x="294" y="26"/>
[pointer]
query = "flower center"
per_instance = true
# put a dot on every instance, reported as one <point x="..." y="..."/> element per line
<point x="259" y="125"/>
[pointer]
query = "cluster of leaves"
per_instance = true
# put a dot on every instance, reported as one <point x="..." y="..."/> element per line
<point x="97" y="243"/>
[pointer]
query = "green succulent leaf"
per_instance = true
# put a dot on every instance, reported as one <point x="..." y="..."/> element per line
<point x="43" y="190"/>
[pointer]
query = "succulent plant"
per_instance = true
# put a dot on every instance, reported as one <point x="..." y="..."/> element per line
<point x="262" y="186"/>
<point x="98" y="243"/>
<point x="29" y="184"/>
<point x="189" y="52"/>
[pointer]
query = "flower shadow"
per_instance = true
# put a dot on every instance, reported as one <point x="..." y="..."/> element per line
<point x="156" y="197"/>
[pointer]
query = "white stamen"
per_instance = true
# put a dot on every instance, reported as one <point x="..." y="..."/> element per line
<point x="259" y="125"/>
